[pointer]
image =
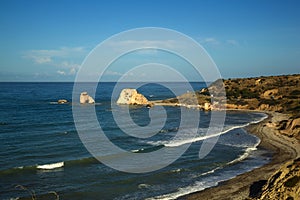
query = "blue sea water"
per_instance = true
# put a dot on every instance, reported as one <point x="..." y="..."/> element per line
<point x="34" y="131"/>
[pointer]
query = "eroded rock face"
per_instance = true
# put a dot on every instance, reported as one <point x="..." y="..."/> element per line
<point x="291" y="128"/>
<point x="85" y="98"/>
<point x="284" y="183"/>
<point x="132" y="97"/>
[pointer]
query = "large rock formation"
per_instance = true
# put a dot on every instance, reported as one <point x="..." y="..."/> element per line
<point x="284" y="183"/>
<point x="85" y="98"/>
<point x="132" y="97"/>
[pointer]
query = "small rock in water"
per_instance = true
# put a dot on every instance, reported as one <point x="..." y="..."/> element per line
<point x="62" y="101"/>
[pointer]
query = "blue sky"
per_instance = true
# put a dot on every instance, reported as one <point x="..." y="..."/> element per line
<point x="48" y="40"/>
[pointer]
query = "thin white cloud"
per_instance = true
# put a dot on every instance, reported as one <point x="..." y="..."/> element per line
<point x="61" y="72"/>
<point x="45" y="56"/>
<point x="214" y="42"/>
<point x="72" y="71"/>
<point x="68" y="65"/>
<point x="67" y="59"/>
<point x="139" y="44"/>
<point x="232" y="42"/>
<point x="211" y="41"/>
<point x="41" y="59"/>
<point x="113" y="73"/>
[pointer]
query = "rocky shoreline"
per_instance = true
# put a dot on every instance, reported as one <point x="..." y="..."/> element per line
<point x="254" y="184"/>
<point x="279" y="97"/>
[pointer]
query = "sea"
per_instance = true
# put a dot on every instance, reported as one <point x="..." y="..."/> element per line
<point x="36" y="131"/>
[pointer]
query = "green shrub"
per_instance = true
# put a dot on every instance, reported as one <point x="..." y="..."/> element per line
<point x="291" y="182"/>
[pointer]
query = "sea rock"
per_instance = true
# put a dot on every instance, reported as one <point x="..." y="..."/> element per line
<point x="62" y="101"/>
<point x="85" y="98"/>
<point x="132" y="97"/>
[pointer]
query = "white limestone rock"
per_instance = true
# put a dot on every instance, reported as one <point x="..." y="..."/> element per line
<point x="85" y="98"/>
<point x="132" y="97"/>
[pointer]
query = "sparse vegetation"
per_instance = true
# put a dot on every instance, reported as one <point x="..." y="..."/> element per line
<point x="286" y="92"/>
<point x="292" y="181"/>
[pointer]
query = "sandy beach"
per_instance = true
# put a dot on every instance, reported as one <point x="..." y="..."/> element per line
<point x="283" y="148"/>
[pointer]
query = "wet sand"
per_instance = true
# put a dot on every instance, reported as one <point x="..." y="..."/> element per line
<point x="284" y="149"/>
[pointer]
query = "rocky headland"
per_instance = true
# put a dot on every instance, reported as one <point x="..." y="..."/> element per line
<point x="279" y="94"/>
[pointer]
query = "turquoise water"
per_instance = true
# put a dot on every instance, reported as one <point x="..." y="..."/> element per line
<point x="34" y="131"/>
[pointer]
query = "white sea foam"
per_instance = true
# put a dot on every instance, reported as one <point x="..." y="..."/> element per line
<point x="200" y="138"/>
<point x="201" y="185"/>
<point x="245" y="154"/>
<point x="143" y="186"/>
<point x="176" y="143"/>
<point x="198" y="186"/>
<point x="211" y="171"/>
<point x="137" y="150"/>
<point x="207" y="182"/>
<point x="176" y="170"/>
<point x="51" y="166"/>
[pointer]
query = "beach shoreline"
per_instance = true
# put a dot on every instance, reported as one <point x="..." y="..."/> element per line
<point x="283" y="148"/>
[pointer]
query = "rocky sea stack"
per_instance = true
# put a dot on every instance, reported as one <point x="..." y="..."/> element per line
<point x="85" y="98"/>
<point x="132" y="97"/>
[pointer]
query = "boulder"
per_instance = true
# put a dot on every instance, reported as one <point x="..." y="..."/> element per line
<point x="207" y="106"/>
<point x="295" y="124"/>
<point x="132" y="97"/>
<point x="258" y="81"/>
<point x="270" y="94"/>
<point x="85" y="98"/>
